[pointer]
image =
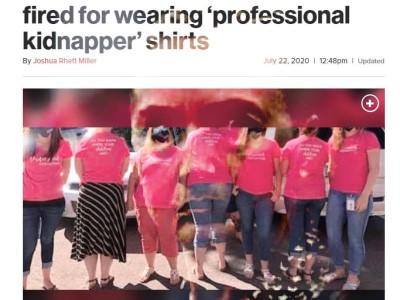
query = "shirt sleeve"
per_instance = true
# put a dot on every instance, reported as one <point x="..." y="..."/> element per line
<point x="124" y="147"/>
<point x="287" y="150"/>
<point x="65" y="149"/>
<point x="187" y="147"/>
<point x="325" y="151"/>
<point x="81" y="149"/>
<point x="276" y="150"/>
<point x="372" y="141"/>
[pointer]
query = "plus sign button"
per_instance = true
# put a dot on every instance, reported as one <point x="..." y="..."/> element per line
<point x="370" y="103"/>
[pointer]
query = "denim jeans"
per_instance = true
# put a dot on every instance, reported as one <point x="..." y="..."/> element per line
<point x="303" y="217"/>
<point x="336" y="216"/>
<point x="258" y="209"/>
<point x="40" y="221"/>
<point x="208" y="203"/>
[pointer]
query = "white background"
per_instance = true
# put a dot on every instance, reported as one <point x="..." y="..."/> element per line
<point x="234" y="59"/>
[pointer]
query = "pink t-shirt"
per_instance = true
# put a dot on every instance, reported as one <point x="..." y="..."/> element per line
<point x="158" y="177"/>
<point x="207" y="150"/>
<point x="102" y="156"/>
<point x="349" y="165"/>
<point x="305" y="176"/>
<point x="256" y="171"/>
<point x="42" y="178"/>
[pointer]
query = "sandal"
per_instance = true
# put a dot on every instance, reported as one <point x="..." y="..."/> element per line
<point x="93" y="284"/>
<point x="293" y="278"/>
<point x="332" y="276"/>
<point x="106" y="282"/>
<point x="307" y="277"/>
<point x="199" y="277"/>
<point x="248" y="271"/>
<point x="174" y="277"/>
<point x="267" y="276"/>
<point x="351" y="286"/>
<point x="53" y="288"/>
<point x="147" y="274"/>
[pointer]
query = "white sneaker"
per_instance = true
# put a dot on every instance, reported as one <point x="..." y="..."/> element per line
<point x="332" y="276"/>
<point x="350" y="286"/>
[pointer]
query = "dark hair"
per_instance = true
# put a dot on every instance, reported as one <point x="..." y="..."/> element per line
<point x="309" y="131"/>
<point x="55" y="141"/>
<point x="257" y="130"/>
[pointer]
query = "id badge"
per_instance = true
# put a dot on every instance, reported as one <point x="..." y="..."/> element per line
<point x="350" y="202"/>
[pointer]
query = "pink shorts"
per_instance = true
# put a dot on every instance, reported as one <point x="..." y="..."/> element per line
<point x="158" y="224"/>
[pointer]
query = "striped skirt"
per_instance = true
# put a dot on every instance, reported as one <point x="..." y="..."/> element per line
<point x="100" y="226"/>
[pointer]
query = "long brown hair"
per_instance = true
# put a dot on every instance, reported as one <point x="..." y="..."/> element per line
<point x="55" y="142"/>
<point x="338" y="136"/>
<point x="308" y="131"/>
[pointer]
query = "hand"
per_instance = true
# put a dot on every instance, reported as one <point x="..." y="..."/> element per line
<point x="235" y="190"/>
<point x="129" y="205"/>
<point x="275" y="196"/>
<point x="179" y="202"/>
<point x="234" y="216"/>
<point x="362" y="203"/>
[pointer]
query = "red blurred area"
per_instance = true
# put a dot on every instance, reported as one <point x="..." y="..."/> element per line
<point x="334" y="107"/>
<point x="199" y="107"/>
<point x="76" y="108"/>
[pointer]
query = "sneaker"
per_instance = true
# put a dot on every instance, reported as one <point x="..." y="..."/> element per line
<point x="174" y="277"/>
<point x="248" y="271"/>
<point x="267" y="276"/>
<point x="332" y="276"/>
<point x="350" y="286"/>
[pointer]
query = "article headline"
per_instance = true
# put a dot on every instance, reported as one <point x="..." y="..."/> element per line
<point x="160" y="40"/>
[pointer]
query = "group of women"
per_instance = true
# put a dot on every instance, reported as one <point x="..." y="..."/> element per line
<point x="213" y="163"/>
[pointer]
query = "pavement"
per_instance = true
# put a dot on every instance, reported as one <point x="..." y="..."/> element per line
<point x="71" y="275"/>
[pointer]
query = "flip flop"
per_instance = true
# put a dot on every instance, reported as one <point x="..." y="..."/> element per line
<point x="93" y="284"/>
<point x="109" y="282"/>
<point x="53" y="288"/>
<point x="147" y="274"/>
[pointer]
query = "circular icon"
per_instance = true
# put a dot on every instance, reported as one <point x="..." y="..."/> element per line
<point x="370" y="103"/>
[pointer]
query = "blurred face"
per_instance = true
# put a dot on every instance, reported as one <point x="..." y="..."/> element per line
<point x="256" y="132"/>
<point x="201" y="107"/>
<point x="160" y="134"/>
<point x="43" y="137"/>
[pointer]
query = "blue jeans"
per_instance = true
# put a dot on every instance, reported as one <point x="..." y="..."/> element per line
<point x="336" y="216"/>
<point x="208" y="203"/>
<point x="40" y="221"/>
<point x="303" y="217"/>
<point x="258" y="209"/>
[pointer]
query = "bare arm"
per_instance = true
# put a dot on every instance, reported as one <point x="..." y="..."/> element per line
<point x="79" y="167"/>
<point x="373" y="165"/>
<point x="284" y="166"/>
<point x="278" y="180"/>
<point x="181" y="186"/>
<point x="66" y="166"/>
<point x="125" y="166"/>
<point x="132" y="184"/>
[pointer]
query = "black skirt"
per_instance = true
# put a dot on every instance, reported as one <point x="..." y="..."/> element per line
<point x="100" y="224"/>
